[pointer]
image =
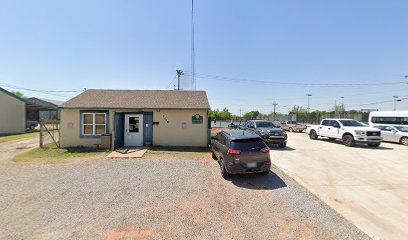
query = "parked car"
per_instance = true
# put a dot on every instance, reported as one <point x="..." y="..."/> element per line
<point x="293" y="126"/>
<point x="30" y="124"/>
<point x="348" y="130"/>
<point x="397" y="134"/>
<point x="240" y="152"/>
<point x="269" y="133"/>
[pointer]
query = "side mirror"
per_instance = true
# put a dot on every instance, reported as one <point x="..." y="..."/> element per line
<point x="336" y="125"/>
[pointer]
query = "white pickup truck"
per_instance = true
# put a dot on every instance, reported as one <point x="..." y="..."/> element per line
<point x="348" y="130"/>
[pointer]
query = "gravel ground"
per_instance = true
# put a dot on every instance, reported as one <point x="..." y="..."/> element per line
<point x="162" y="196"/>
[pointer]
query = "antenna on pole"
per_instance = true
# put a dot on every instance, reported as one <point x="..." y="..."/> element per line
<point x="192" y="47"/>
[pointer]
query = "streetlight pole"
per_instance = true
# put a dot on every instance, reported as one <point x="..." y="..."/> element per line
<point x="274" y="113"/>
<point x="308" y="102"/>
<point x="395" y="102"/>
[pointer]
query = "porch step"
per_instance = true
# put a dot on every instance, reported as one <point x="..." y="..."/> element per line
<point x="128" y="152"/>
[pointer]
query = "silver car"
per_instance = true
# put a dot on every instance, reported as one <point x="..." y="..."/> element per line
<point x="397" y="134"/>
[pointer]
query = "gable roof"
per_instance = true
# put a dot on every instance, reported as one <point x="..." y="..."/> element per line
<point x="11" y="94"/>
<point x="43" y="104"/>
<point x="141" y="99"/>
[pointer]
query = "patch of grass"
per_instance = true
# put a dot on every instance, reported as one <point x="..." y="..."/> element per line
<point x="8" y="138"/>
<point x="52" y="154"/>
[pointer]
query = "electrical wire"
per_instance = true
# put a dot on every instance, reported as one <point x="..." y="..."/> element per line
<point x="49" y="92"/>
<point x="223" y="78"/>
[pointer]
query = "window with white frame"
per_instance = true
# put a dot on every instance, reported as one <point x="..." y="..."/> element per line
<point x="93" y="123"/>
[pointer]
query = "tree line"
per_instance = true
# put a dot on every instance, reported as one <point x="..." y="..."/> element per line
<point x="301" y="114"/>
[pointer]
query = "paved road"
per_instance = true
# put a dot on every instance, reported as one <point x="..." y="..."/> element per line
<point x="368" y="186"/>
<point x="161" y="196"/>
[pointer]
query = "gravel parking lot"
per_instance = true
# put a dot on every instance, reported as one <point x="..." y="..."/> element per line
<point x="368" y="186"/>
<point x="162" y="196"/>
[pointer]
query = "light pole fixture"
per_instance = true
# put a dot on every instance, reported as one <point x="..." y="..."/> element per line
<point x="395" y="102"/>
<point x="308" y="101"/>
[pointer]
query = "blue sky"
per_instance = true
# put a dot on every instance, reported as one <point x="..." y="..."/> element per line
<point x="71" y="45"/>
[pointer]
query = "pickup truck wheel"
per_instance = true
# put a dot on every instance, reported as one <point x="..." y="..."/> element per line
<point x="374" y="144"/>
<point x="348" y="140"/>
<point x="313" y="135"/>
<point x="404" y="141"/>
<point x="213" y="156"/>
<point x="290" y="129"/>
<point x="224" y="172"/>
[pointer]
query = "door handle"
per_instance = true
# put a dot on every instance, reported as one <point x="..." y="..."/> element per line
<point x="329" y="128"/>
<point x="320" y="127"/>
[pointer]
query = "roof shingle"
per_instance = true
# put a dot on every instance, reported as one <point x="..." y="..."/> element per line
<point x="141" y="99"/>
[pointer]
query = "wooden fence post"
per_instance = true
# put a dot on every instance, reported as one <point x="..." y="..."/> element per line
<point x="41" y="134"/>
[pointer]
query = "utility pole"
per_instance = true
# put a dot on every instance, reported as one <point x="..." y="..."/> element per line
<point x="179" y="73"/>
<point x="274" y="113"/>
<point x="192" y="47"/>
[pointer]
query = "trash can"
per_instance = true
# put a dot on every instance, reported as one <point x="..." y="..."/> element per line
<point x="106" y="141"/>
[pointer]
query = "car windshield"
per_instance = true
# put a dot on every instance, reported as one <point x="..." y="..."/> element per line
<point x="248" y="144"/>
<point x="402" y="128"/>
<point x="352" y="123"/>
<point x="265" y="125"/>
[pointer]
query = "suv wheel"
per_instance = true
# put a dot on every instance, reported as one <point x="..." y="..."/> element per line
<point x="282" y="144"/>
<point x="224" y="172"/>
<point x="404" y="141"/>
<point x="348" y="140"/>
<point x="313" y="135"/>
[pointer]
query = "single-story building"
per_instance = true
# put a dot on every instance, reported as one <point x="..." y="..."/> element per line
<point x="39" y="109"/>
<point x="12" y="113"/>
<point x="136" y="118"/>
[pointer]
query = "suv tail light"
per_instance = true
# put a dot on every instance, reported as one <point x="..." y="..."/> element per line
<point x="233" y="152"/>
<point x="265" y="150"/>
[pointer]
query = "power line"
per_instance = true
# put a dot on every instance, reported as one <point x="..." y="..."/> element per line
<point x="49" y="92"/>
<point x="172" y="81"/>
<point x="223" y="78"/>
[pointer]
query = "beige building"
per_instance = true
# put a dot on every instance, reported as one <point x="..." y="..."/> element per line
<point x="136" y="118"/>
<point x="12" y="113"/>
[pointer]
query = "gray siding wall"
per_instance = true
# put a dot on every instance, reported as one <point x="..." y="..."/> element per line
<point x="119" y="121"/>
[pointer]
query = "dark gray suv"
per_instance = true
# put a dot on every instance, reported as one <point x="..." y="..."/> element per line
<point x="240" y="152"/>
<point x="268" y="132"/>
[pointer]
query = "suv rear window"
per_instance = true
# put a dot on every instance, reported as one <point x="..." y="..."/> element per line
<point x="247" y="144"/>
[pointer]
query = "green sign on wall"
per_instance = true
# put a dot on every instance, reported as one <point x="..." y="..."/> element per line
<point x="197" y="119"/>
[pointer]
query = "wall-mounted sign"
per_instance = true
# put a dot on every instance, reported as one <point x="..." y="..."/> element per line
<point x="197" y="119"/>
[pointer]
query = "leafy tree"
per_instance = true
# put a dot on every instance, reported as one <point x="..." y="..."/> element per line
<point x="225" y="114"/>
<point x="300" y="113"/>
<point x="251" y="115"/>
<point x="19" y="94"/>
